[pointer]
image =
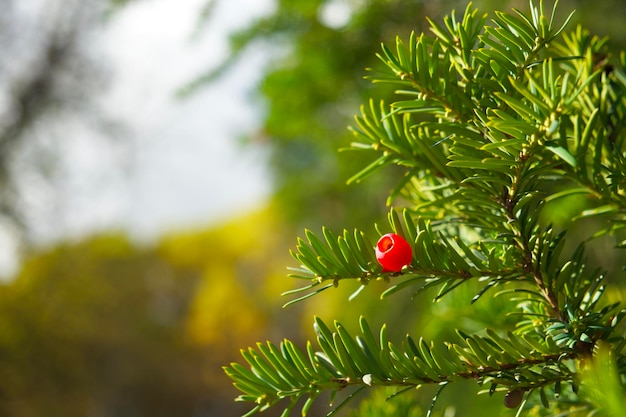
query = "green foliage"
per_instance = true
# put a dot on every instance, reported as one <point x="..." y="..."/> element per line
<point x="308" y="93"/>
<point x="104" y="326"/>
<point x="97" y="326"/>
<point x="493" y="120"/>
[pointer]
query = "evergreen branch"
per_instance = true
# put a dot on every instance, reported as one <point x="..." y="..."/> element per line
<point x="508" y="124"/>
<point x="284" y="372"/>
<point x="535" y="109"/>
<point x="437" y="261"/>
<point x="492" y="122"/>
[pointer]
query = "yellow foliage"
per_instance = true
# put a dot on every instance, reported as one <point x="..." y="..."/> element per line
<point x="222" y="310"/>
<point x="240" y="282"/>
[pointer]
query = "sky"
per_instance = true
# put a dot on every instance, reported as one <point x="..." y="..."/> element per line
<point x="185" y="165"/>
<point x="177" y="163"/>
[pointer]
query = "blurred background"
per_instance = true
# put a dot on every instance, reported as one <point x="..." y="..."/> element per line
<point x="158" y="159"/>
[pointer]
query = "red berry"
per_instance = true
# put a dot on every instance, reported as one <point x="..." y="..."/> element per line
<point x="393" y="252"/>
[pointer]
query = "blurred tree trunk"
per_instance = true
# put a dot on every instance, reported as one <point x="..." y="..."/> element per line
<point x="48" y="70"/>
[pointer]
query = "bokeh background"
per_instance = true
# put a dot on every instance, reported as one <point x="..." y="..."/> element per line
<point x="158" y="159"/>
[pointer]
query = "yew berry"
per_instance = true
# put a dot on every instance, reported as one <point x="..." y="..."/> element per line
<point x="393" y="252"/>
<point x="513" y="399"/>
